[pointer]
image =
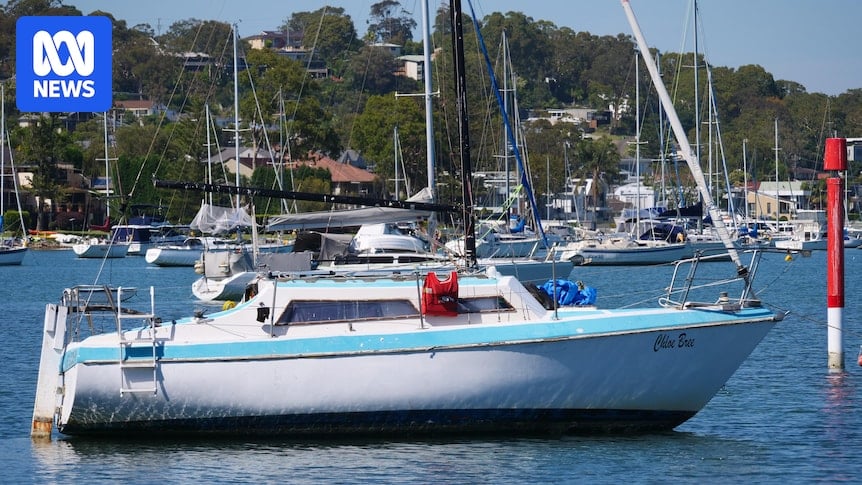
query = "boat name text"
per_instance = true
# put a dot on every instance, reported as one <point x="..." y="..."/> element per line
<point x="665" y="341"/>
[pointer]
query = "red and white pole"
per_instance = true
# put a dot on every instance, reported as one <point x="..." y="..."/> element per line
<point x="835" y="161"/>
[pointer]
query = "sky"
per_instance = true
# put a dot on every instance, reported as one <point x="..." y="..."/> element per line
<point x="812" y="42"/>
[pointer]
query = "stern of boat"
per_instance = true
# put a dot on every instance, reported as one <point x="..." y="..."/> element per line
<point x="48" y="383"/>
<point x="84" y="312"/>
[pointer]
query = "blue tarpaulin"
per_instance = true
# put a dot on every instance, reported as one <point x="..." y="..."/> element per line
<point x="570" y="293"/>
<point x="519" y="224"/>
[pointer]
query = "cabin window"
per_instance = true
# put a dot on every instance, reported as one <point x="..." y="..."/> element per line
<point x="345" y="310"/>
<point x="483" y="304"/>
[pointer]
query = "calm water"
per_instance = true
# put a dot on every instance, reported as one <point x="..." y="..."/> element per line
<point x="782" y="417"/>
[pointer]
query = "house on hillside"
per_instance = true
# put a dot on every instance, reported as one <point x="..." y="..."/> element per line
<point x="782" y="198"/>
<point x="393" y="49"/>
<point x="767" y="206"/>
<point x="275" y="39"/>
<point x="196" y="61"/>
<point x="139" y="108"/>
<point x="346" y="179"/>
<point x="289" y="45"/>
<point x="249" y="160"/>
<point x="411" y="66"/>
<point x="80" y="204"/>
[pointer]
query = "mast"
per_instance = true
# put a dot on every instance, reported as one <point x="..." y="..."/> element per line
<point x="308" y="196"/>
<point x="697" y="93"/>
<point x="2" y="154"/>
<point x="745" y="181"/>
<point x="209" y="152"/>
<point x="505" y="140"/>
<point x="282" y="142"/>
<point x="697" y="121"/>
<point x="431" y="161"/>
<point x="463" y="131"/>
<point x="690" y="158"/>
<point x="637" y="142"/>
<point x="395" y="154"/>
<point x="522" y="167"/>
<point x="776" y="149"/>
<point x="661" y="141"/>
<point x="429" y="114"/>
<point x="236" y="109"/>
<point x="3" y="142"/>
<point x="107" y="173"/>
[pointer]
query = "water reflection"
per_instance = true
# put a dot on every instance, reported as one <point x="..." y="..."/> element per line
<point x="570" y="458"/>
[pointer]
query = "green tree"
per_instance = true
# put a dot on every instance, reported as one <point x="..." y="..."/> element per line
<point x="194" y="35"/>
<point x="528" y="47"/>
<point x="566" y="62"/>
<point x="372" y="70"/>
<point x="140" y="69"/>
<point x="546" y="144"/>
<point x="386" y="25"/>
<point x="328" y="31"/>
<point x="598" y="160"/>
<point x="279" y="80"/>
<point x="44" y="145"/>
<point x="374" y="137"/>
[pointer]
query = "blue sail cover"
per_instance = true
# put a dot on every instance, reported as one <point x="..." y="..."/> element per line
<point x="570" y="293"/>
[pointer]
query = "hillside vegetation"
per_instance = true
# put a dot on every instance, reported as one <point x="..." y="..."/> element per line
<point x="355" y="105"/>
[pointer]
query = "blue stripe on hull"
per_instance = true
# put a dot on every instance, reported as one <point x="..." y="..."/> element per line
<point x="603" y="323"/>
<point x="400" y="423"/>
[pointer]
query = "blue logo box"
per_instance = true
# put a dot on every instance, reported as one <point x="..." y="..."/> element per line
<point x="64" y="64"/>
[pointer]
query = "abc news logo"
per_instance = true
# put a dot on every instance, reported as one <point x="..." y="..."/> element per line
<point x="64" y="64"/>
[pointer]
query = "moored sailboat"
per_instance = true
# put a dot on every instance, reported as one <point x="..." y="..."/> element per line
<point x="12" y="250"/>
<point x="100" y="248"/>
<point x="397" y="354"/>
<point x="116" y="245"/>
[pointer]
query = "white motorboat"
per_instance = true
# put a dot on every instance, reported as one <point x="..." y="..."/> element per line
<point x="808" y="234"/>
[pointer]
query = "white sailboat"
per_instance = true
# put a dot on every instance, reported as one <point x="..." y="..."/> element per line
<point x="509" y="237"/>
<point x="226" y="267"/>
<point x="398" y="354"/>
<point x="113" y="246"/>
<point x="638" y="246"/>
<point x="100" y="248"/>
<point x="225" y="274"/>
<point x="624" y="250"/>
<point x="188" y="251"/>
<point x="12" y="251"/>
